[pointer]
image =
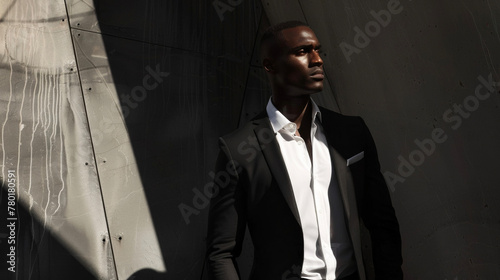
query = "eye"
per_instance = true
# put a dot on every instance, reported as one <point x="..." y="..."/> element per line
<point x="301" y="51"/>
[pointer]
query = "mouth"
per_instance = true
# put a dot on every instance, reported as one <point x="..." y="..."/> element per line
<point x="318" y="75"/>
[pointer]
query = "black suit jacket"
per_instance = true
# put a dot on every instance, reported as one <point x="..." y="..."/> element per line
<point x="252" y="187"/>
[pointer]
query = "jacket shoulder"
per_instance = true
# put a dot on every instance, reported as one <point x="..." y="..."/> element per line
<point x="240" y="133"/>
<point x="246" y="132"/>
<point x="339" y="119"/>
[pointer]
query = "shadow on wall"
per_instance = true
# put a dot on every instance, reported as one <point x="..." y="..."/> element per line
<point x="180" y="70"/>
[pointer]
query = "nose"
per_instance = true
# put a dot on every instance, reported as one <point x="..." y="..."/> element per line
<point x="316" y="58"/>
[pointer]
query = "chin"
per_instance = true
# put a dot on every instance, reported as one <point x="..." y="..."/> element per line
<point x="317" y="89"/>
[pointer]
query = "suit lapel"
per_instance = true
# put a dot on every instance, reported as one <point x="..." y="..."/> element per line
<point x="346" y="187"/>
<point x="272" y="153"/>
<point x="347" y="190"/>
<point x="344" y="180"/>
<point x="333" y="133"/>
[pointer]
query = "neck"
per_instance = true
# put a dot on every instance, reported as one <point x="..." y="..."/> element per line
<point x="296" y="109"/>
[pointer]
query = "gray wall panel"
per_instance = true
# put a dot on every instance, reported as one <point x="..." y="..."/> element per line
<point x="134" y="240"/>
<point x="173" y="129"/>
<point x="45" y="140"/>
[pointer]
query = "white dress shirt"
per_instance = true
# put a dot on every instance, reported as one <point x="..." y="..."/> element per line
<point x="327" y="247"/>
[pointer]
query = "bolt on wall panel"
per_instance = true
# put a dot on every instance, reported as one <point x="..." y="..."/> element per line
<point x="82" y="15"/>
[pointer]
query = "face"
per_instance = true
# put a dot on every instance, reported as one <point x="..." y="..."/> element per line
<point x="297" y="67"/>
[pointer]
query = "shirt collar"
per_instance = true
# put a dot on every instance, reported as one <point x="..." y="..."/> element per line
<point x="279" y="121"/>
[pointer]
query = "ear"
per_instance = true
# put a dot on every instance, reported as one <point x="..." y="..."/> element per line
<point x="268" y="65"/>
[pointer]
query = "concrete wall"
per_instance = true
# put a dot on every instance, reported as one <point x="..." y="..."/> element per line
<point x="111" y="110"/>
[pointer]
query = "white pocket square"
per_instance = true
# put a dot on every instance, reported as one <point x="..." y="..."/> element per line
<point x="355" y="158"/>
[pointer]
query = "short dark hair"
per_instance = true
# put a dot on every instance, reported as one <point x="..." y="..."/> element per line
<point x="273" y="34"/>
<point x="274" y="31"/>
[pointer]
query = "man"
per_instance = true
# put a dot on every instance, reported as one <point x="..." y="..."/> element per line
<point x="303" y="178"/>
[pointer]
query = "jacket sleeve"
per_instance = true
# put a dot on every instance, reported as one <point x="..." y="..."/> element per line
<point x="227" y="221"/>
<point x="379" y="217"/>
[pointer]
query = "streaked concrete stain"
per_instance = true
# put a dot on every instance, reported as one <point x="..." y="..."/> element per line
<point x="47" y="139"/>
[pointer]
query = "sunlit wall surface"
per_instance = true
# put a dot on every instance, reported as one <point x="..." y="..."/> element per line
<point x="78" y="192"/>
<point x="110" y="113"/>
